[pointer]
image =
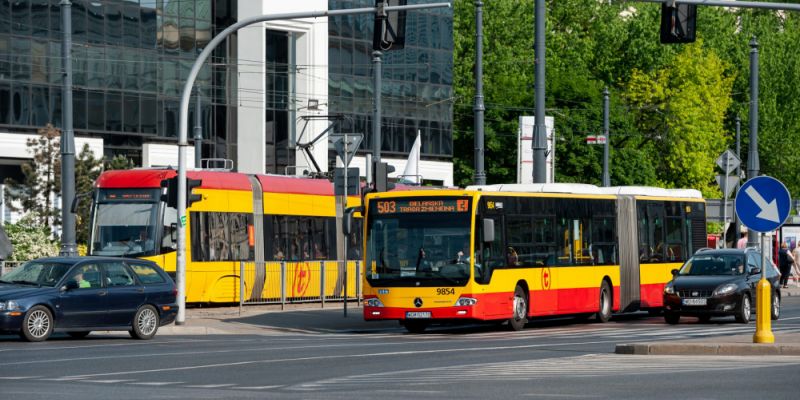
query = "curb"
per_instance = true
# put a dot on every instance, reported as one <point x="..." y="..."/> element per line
<point x="729" y="349"/>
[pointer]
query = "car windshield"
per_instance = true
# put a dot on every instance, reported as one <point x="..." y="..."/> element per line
<point x="36" y="273"/>
<point x="714" y="264"/>
<point x="418" y="242"/>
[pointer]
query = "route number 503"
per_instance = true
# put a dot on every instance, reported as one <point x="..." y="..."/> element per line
<point x="445" y="291"/>
<point x="385" y="207"/>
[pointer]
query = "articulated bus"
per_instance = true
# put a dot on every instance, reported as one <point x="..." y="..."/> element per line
<point x="241" y="217"/>
<point x="512" y="252"/>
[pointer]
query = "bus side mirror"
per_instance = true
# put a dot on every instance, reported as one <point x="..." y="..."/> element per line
<point x="488" y="230"/>
<point x="347" y="221"/>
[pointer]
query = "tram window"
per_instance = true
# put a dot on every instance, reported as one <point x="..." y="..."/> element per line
<point x="220" y="236"/>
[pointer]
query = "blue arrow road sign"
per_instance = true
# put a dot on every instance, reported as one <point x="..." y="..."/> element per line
<point x="762" y="204"/>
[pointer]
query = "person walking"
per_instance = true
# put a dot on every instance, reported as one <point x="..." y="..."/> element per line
<point x="785" y="261"/>
<point x="796" y="266"/>
<point x="742" y="243"/>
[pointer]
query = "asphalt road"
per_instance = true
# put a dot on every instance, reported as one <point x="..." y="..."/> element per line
<point x="551" y="359"/>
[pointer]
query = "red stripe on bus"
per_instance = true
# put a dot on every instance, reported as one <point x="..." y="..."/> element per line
<point x="652" y="295"/>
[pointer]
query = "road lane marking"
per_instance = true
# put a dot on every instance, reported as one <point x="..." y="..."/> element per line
<point x="13" y="378"/>
<point x="212" y="386"/>
<point x="257" y="387"/>
<point x="153" y="383"/>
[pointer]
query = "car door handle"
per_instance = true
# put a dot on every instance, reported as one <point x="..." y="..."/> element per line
<point x="103" y="293"/>
<point x="140" y="290"/>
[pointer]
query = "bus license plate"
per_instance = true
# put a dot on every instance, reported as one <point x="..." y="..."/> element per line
<point x="418" y="314"/>
<point x="695" y="302"/>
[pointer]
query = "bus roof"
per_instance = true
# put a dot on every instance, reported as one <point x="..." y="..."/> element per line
<point x="652" y="191"/>
<point x="573" y="188"/>
<point x="584" y="188"/>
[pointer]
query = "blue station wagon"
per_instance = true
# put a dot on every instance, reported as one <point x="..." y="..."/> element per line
<point x="78" y="295"/>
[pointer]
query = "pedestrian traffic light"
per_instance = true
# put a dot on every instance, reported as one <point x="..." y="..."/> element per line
<point x="171" y="194"/>
<point x="192" y="197"/>
<point x="389" y="32"/>
<point x="678" y="23"/>
<point x="382" y="171"/>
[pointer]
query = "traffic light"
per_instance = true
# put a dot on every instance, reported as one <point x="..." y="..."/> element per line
<point x="678" y="23"/>
<point x="192" y="197"/>
<point x="390" y="28"/>
<point x="171" y="196"/>
<point x="382" y="171"/>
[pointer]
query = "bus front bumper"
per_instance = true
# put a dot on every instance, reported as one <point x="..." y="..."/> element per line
<point x="403" y="314"/>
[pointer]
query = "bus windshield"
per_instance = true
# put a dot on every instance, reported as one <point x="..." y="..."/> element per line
<point x="124" y="226"/>
<point x="418" y="242"/>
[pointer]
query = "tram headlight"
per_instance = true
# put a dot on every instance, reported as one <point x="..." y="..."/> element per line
<point x="466" y="301"/>
<point x="373" y="302"/>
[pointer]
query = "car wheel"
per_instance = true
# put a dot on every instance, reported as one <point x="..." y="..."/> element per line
<point x="672" y="318"/>
<point x="743" y="313"/>
<point x="604" y="313"/>
<point x="416" y="326"/>
<point x="78" y="335"/>
<point x="37" y="324"/>
<point x="145" y="323"/>
<point x="776" y="306"/>
<point x="520" y="310"/>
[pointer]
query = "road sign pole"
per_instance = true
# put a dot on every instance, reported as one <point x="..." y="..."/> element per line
<point x="763" y="304"/>
<point x="752" y="155"/>
<point x="725" y="207"/>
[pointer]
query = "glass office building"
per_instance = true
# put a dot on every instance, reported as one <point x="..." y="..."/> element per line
<point x="417" y="80"/>
<point x="130" y="59"/>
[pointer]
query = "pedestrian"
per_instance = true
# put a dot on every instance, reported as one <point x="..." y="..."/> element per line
<point x="785" y="261"/>
<point x="796" y="265"/>
<point x="742" y="243"/>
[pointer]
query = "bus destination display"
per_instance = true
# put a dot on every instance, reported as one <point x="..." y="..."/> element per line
<point x="146" y="195"/>
<point x="403" y="206"/>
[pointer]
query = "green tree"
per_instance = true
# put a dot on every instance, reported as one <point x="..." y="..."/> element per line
<point x="687" y="103"/>
<point x="42" y="179"/>
<point x="30" y="238"/>
<point x="119" y="161"/>
<point x="87" y="169"/>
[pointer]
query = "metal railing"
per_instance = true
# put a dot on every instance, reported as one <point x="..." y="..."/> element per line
<point x="287" y="282"/>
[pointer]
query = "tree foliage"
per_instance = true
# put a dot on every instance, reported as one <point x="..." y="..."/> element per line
<point x="30" y="238"/>
<point x="672" y="106"/>
<point x="41" y="184"/>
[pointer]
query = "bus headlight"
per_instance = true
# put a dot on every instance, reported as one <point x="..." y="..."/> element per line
<point x="373" y="302"/>
<point x="466" y="301"/>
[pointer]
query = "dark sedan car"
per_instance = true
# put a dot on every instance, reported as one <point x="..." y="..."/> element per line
<point x="78" y="295"/>
<point x="719" y="283"/>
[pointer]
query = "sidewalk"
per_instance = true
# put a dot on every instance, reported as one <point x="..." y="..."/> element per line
<point x="786" y="344"/>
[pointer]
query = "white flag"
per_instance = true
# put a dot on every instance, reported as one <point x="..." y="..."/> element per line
<point x="411" y="172"/>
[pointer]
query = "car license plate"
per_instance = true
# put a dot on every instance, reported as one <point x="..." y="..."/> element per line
<point x="695" y="302"/>
<point x="418" y="314"/>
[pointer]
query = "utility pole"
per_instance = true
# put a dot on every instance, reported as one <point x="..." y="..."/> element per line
<point x="606" y="177"/>
<point x="198" y="131"/>
<point x="376" y="110"/>
<point x="752" y="154"/>
<point x="539" y="142"/>
<point x="480" y="172"/>
<point x="68" y="245"/>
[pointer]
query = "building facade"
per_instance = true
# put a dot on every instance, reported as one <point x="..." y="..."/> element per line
<point x="267" y="95"/>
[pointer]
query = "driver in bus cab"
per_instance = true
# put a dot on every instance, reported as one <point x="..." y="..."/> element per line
<point x="423" y="265"/>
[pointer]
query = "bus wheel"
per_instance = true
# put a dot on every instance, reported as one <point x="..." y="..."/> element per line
<point x="415" y="326"/>
<point x="520" y="316"/>
<point x="604" y="313"/>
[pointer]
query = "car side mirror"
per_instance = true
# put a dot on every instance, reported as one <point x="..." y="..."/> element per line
<point x="674" y="272"/>
<point x="755" y="271"/>
<point x="71" y="284"/>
